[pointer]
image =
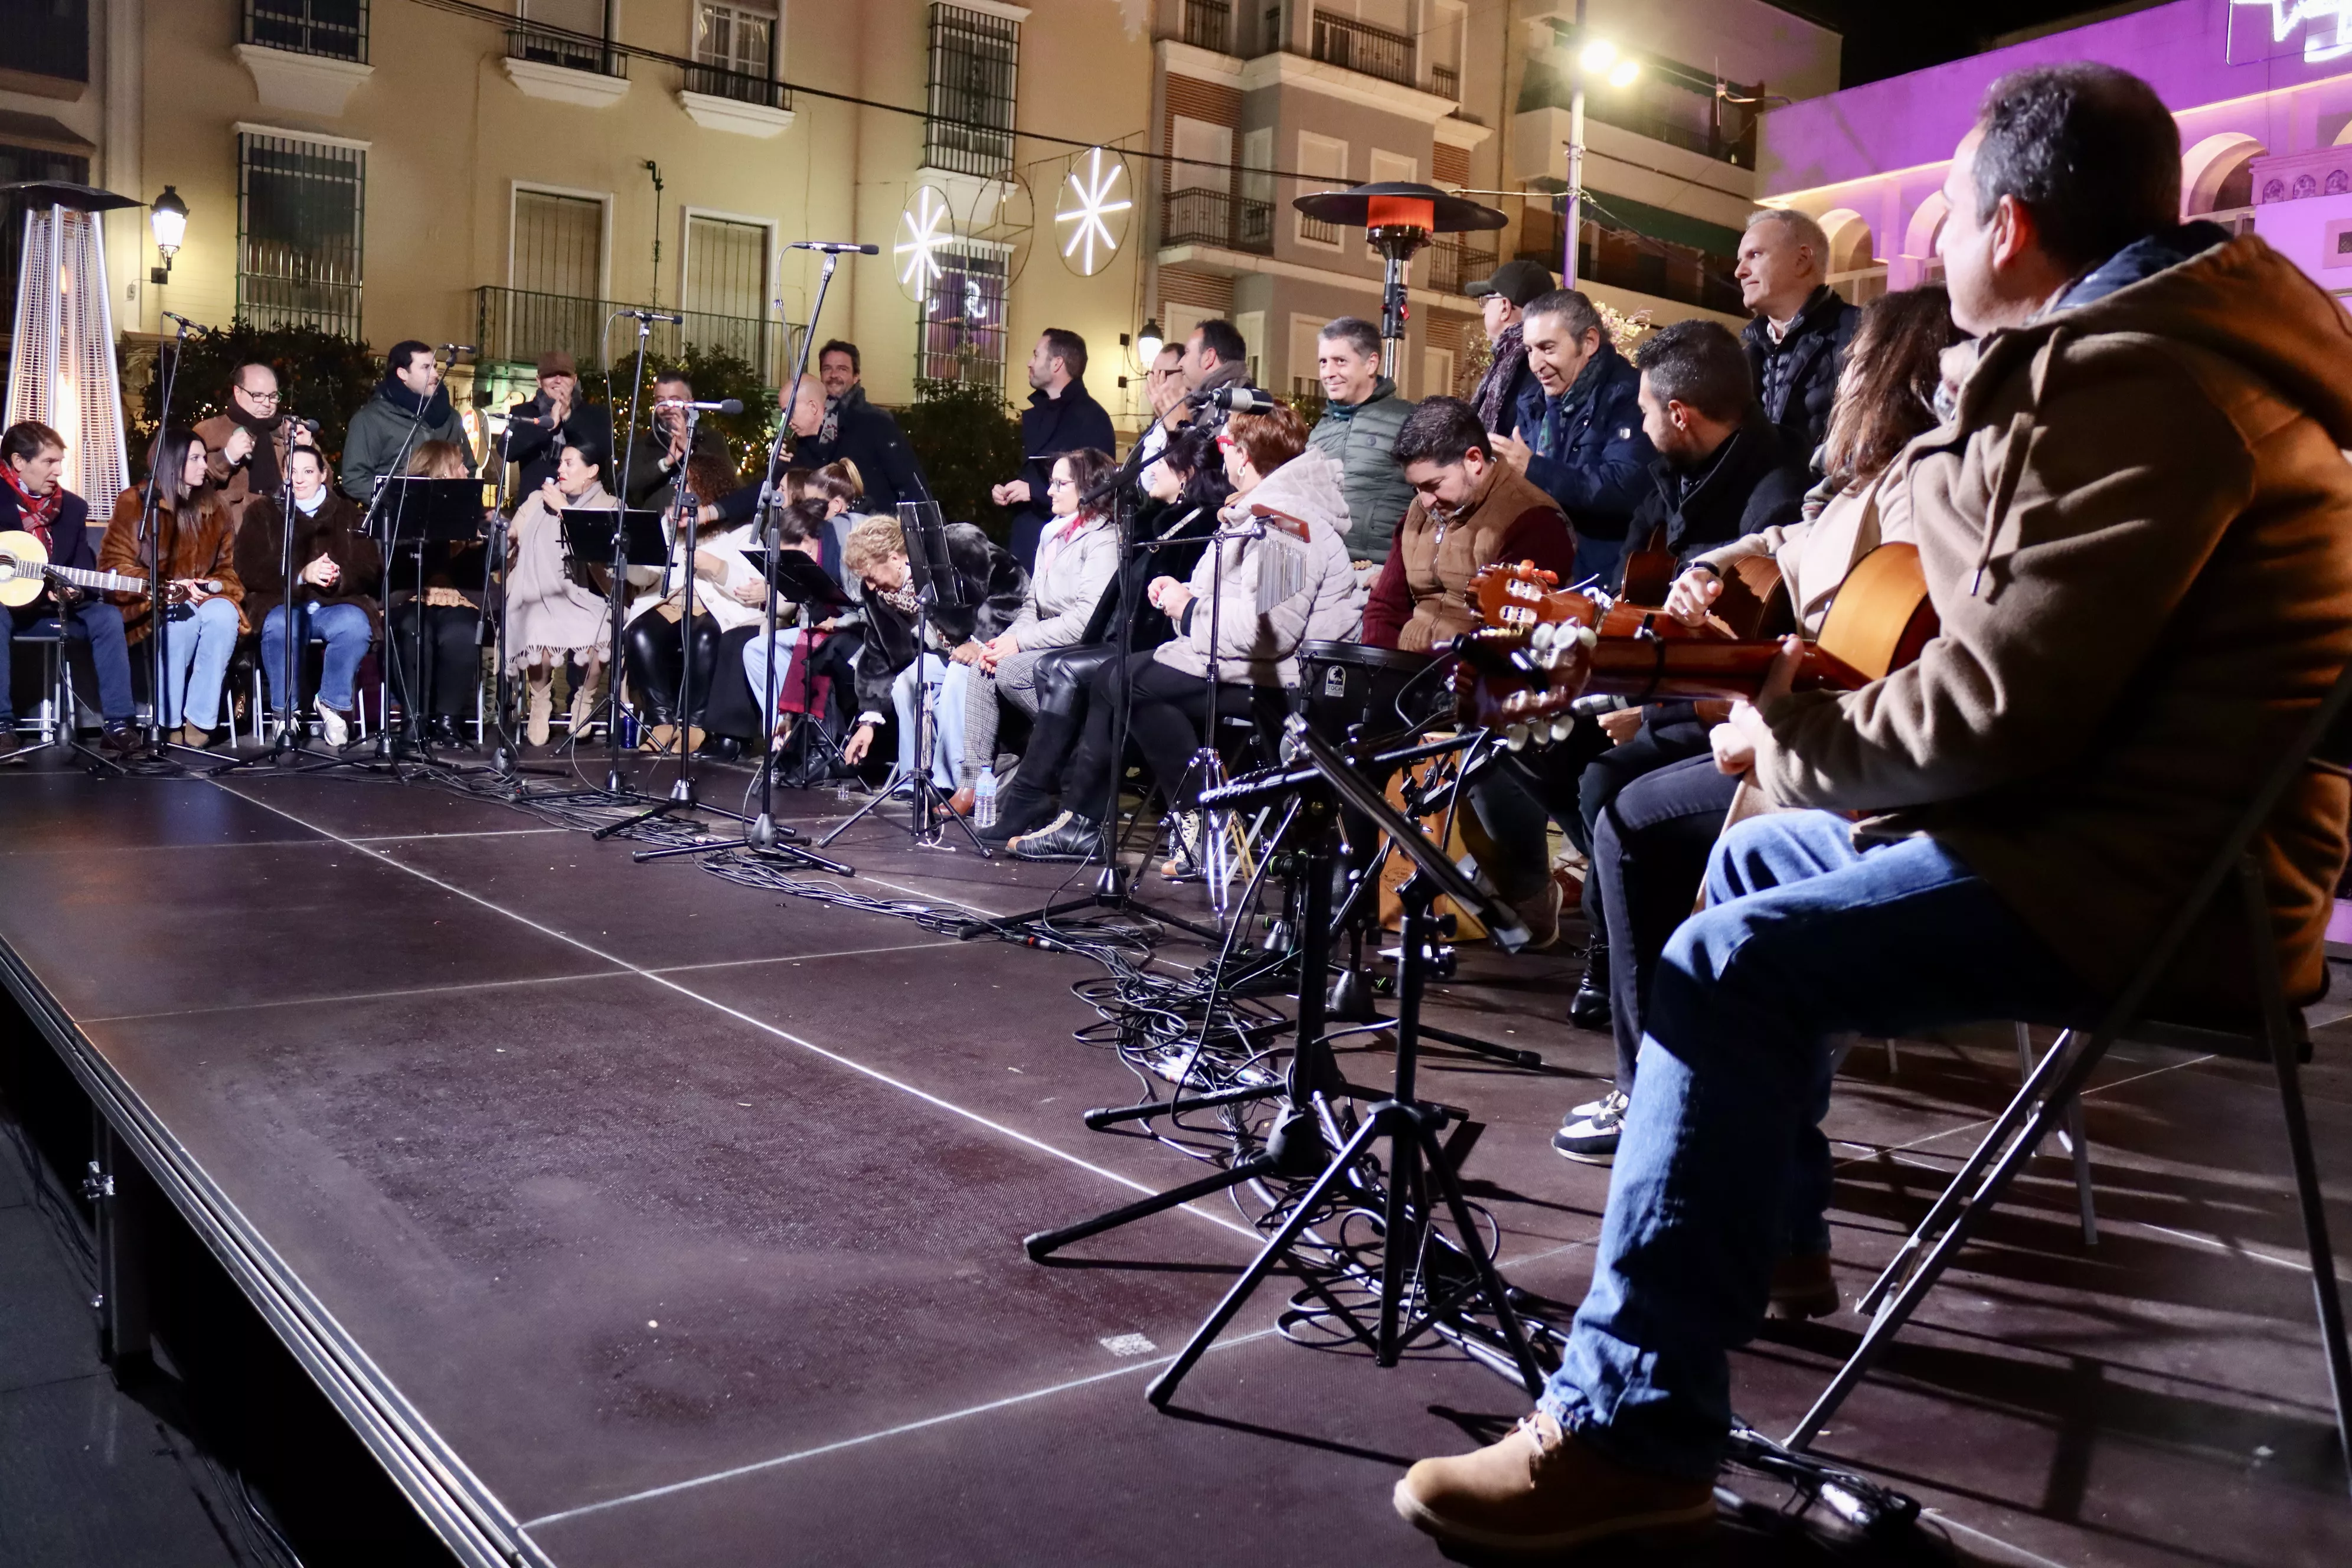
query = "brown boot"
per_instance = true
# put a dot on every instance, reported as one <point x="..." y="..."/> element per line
<point x="539" y="685"/>
<point x="583" y="699"/>
<point x="1541" y="1491"/>
<point x="1803" y="1288"/>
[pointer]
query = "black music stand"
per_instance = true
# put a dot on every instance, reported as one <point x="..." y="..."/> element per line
<point x="796" y="576"/>
<point x="413" y="512"/>
<point x="931" y="570"/>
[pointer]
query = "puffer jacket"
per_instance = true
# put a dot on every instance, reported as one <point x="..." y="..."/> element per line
<point x="1796" y="378"/>
<point x="1359" y="437"/>
<point x="2133" y="529"/>
<point x="1066" y="587"/>
<point x="1259" y="647"/>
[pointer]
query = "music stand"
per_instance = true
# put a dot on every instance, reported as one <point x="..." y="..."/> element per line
<point x="413" y="512"/>
<point x="931" y="572"/>
<point x="796" y="576"/>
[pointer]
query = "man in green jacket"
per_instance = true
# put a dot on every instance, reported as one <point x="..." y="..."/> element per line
<point x="410" y="407"/>
<point x="1358" y="431"/>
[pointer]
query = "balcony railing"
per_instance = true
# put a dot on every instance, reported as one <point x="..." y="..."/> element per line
<point x="1445" y="82"/>
<point x="717" y="81"/>
<point x="519" y="325"/>
<point x="566" y="50"/>
<point x="1625" y="260"/>
<point x="1360" y="46"/>
<point x="337" y="30"/>
<point x="1203" y="216"/>
<point x="1456" y="261"/>
<point x="1322" y="231"/>
<point x="1209" y="25"/>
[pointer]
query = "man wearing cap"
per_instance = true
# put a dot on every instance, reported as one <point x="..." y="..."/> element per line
<point x="1502" y="297"/>
<point x="555" y="417"/>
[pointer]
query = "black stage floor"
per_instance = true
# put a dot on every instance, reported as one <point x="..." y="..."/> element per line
<point x="680" y="1221"/>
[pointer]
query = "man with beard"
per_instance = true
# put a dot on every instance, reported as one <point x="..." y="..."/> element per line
<point x="410" y="407"/>
<point x="866" y="435"/>
<point x="246" y="443"/>
<point x="1501" y="297"/>
<point x="1061" y="418"/>
<point x="556" y="416"/>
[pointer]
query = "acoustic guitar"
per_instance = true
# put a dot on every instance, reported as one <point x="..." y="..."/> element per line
<point x="1538" y="649"/>
<point x="25" y="573"/>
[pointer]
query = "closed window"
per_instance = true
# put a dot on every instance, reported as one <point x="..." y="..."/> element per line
<point x="961" y="325"/>
<point x="559" y="244"/>
<point x="725" y="293"/>
<point x="301" y="207"/>
<point x="1325" y="160"/>
<point x="735" y="52"/>
<point x="335" y="28"/>
<point x="968" y="111"/>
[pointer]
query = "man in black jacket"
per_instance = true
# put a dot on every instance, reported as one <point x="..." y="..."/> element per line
<point x="554" y="417"/>
<point x="866" y="435"/>
<point x="1061" y="418"/>
<point x="658" y="457"/>
<point x="1796" y="344"/>
<point x="35" y="500"/>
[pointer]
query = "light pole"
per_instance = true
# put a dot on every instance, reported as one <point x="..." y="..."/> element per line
<point x="1593" y="56"/>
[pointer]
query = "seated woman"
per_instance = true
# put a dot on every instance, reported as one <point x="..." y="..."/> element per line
<point x="438" y="629"/>
<point x="1078" y="555"/>
<point x="203" y="615"/>
<point x="887" y="668"/>
<point x="829" y="496"/>
<point x="1258" y="595"/>
<point x="675" y="691"/>
<point x="338" y="573"/>
<point x="554" y="610"/>
<point x="1651" y="844"/>
<point x="1183" y="490"/>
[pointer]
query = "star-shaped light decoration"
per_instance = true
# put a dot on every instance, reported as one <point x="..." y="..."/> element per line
<point x="1094" y="194"/>
<point x="925" y="229"/>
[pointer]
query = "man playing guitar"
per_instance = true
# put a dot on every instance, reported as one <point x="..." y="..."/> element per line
<point x="33" y="500"/>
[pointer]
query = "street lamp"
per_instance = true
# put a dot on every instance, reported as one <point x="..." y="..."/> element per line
<point x="1599" y="58"/>
<point x="1149" y="342"/>
<point x="168" y="216"/>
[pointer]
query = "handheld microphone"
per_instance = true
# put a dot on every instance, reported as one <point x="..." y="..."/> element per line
<point x="457" y="348"/>
<point x="729" y="406"/>
<point x="191" y="328"/>
<point x="674" y="320"/>
<point x="1593" y="707"/>
<point x="1238" y="399"/>
<point x="835" y="247"/>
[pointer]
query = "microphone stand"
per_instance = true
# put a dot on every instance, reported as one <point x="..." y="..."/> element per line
<point x="152" y="760"/>
<point x="385" y="750"/>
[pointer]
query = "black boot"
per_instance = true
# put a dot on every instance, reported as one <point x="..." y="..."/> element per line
<point x="1073" y="838"/>
<point x="1588" y="1009"/>
<point x="1018" y="809"/>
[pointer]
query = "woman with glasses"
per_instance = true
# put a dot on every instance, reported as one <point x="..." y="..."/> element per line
<point x="1077" y="554"/>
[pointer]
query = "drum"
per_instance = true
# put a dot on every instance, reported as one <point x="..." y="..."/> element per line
<point x="1342" y="684"/>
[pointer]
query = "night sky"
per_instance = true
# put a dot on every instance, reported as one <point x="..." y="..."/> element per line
<point x="1887" y="38"/>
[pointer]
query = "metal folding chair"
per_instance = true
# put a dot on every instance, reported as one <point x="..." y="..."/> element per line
<point x="2275" y="1033"/>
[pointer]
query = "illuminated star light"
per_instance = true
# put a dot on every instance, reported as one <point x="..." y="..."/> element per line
<point x="2330" y="37"/>
<point x="1091" y="191"/>
<point x="927" y="230"/>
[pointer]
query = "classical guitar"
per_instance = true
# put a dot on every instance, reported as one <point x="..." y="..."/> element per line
<point x="1541" y="649"/>
<point x="25" y="573"/>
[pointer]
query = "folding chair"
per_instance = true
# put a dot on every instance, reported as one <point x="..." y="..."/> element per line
<point x="2275" y="1033"/>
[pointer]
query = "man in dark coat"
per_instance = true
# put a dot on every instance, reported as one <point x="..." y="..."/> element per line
<point x="866" y="435"/>
<point x="1577" y="432"/>
<point x="35" y="500"/>
<point x="410" y="407"/>
<point x="1061" y="418"/>
<point x="656" y="457"/>
<point x="553" y="419"/>
<point x="1501" y="297"/>
<point x="1796" y="344"/>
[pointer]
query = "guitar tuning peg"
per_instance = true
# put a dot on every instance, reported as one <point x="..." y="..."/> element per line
<point x="1539" y="640"/>
<point x="1514" y="738"/>
<point x="1562" y="727"/>
<point x="1550" y="579"/>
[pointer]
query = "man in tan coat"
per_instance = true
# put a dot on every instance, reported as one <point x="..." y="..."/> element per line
<point x="2133" y="527"/>
<point x="246" y="445"/>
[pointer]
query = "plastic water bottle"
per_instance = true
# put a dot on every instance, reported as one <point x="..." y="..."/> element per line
<point x="983" y="799"/>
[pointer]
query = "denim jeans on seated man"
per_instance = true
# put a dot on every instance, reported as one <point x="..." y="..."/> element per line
<point x="346" y="629"/>
<point x="1806" y="937"/>
<point x="94" y="621"/>
<point x="196" y="650"/>
<point x="947" y="681"/>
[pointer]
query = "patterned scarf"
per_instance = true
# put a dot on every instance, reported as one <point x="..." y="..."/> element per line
<point x="1510" y="354"/>
<point x="39" y="512"/>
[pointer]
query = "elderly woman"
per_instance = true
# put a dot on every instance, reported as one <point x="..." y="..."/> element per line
<point x="204" y="613"/>
<point x="1078" y="555"/>
<point x="554" y="613"/>
<point x="1280" y="576"/>
<point x="889" y="667"/>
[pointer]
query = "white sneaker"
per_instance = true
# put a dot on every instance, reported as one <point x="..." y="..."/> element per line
<point x="332" y="726"/>
<point x="1612" y="1100"/>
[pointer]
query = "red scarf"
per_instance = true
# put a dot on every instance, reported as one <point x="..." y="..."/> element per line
<point x="39" y="512"/>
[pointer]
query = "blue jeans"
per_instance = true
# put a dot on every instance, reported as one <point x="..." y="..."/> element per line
<point x="946" y="681"/>
<point x="1805" y="937"/>
<point x="98" y="623"/>
<point x="345" y="627"/>
<point x="195" y="661"/>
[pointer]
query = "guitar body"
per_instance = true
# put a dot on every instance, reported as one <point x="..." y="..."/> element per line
<point x="22" y="577"/>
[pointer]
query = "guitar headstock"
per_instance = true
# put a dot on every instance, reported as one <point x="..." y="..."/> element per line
<point x="1519" y="605"/>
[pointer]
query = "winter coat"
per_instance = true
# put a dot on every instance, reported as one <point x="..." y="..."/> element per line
<point x="333" y="532"/>
<point x="537" y="449"/>
<point x="203" y="547"/>
<point x="1359" y="437"/>
<point x="1256" y="646"/>
<point x="996" y="587"/>
<point x="1050" y="427"/>
<point x="552" y="614"/>
<point x="1796" y="378"/>
<point x="380" y="440"/>
<point x="2132" y="528"/>
<point x="1067" y="584"/>
<point x="869" y="437"/>
<point x="1744" y="486"/>
<point x="235" y="480"/>
<point x="1590" y="453"/>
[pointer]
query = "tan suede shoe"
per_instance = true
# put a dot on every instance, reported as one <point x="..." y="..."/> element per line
<point x="1540" y="1491"/>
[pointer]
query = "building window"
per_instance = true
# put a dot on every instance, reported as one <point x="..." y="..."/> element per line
<point x="336" y="28"/>
<point x="961" y="328"/>
<point x="1325" y="160"/>
<point x="734" y="53"/>
<point x="50" y="37"/>
<point x="28" y="164"/>
<point x="559" y="244"/>
<point x="581" y="44"/>
<point x="726" y="292"/>
<point x="967" y="113"/>
<point x="301" y="207"/>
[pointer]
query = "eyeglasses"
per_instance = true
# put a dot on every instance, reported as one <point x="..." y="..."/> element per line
<point x="258" y="397"/>
<point x="1058" y="483"/>
<point x="1156" y="374"/>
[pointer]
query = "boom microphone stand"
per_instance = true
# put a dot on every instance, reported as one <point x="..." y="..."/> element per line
<point x="154" y="758"/>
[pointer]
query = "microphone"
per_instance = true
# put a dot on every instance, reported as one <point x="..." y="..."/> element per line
<point x="1239" y="399"/>
<point x="835" y="247"/>
<point x="457" y="348"/>
<point x="189" y="327"/>
<point x="309" y="425"/>
<point x="729" y="406"/>
<point x="674" y="320"/>
<point x="1593" y="707"/>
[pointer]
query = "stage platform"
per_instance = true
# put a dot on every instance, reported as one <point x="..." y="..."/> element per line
<point x="636" y="1218"/>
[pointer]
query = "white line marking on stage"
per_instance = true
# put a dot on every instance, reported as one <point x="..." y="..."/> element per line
<point x="899" y="1431"/>
<point x="1881" y="1150"/>
<point x="801" y="957"/>
<point x="1130" y="1182"/>
<point x="480" y="833"/>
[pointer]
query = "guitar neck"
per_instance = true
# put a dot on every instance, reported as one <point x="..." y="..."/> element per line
<point x="103" y="582"/>
<point x="1667" y="669"/>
